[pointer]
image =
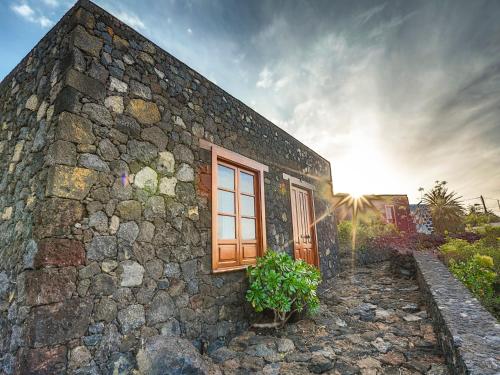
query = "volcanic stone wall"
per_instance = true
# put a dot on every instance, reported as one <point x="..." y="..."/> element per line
<point x="106" y="220"/>
<point x="468" y="334"/>
<point x="27" y="101"/>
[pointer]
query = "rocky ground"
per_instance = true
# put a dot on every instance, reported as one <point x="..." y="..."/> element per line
<point x="370" y="322"/>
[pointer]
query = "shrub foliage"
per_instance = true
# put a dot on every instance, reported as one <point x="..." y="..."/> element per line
<point x="477" y="265"/>
<point x="477" y="275"/>
<point x="283" y="285"/>
<point x="362" y="232"/>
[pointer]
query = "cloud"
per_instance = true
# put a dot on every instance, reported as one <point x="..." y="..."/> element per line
<point x="44" y="21"/>
<point x="394" y="101"/>
<point x="131" y="19"/>
<point x="282" y="83"/>
<point x="51" y="3"/>
<point x="368" y="14"/>
<point x="265" y="78"/>
<point x="394" y="22"/>
<point x="25" y="11"/>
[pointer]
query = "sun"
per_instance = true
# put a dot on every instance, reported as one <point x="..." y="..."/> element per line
<point x="356" y="186"/>
<point x="358" y="172"/>
<point x="355" y="193"/>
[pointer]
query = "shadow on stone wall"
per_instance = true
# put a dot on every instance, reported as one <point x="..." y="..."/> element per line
<point x="402" y="262"/>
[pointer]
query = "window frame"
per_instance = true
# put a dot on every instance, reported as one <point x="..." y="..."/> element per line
<point x="240" y="164"/>
<point x="310" y="188"/>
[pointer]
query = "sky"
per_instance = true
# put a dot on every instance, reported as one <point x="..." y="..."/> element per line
<point x="395" y="94"/>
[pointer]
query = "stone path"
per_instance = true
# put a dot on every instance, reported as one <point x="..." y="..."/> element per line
<point x="371" y="322"/>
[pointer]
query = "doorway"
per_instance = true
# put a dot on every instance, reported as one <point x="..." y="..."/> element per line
<point x="304" y="228"/>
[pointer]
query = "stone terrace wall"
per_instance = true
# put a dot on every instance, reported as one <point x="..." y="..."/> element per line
<point x="121" y="225"/>
<point x="467" y="333"/>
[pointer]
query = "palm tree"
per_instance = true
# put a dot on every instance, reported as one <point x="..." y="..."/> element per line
<point x="445" y="208"/>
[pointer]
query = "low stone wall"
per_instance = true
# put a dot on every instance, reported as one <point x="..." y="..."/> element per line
<point x="368" y="256"/>
<point x="402" y="263"/>
<point x="469" y="336"/>
<point x="365" y="256"/>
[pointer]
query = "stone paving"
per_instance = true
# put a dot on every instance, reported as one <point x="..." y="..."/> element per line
<point x="371" y="322"/>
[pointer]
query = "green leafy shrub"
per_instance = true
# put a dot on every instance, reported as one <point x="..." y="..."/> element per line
<point x="364" y="232"/>
<point x="461" y="250"/>
<point x="477" y="274"/>
<point x="477" y="265"/>
<point x="475" y="219"/>
<point x="491" y="236"/>
<point x="283" y="285"/>
<point x="457" y="250"/>
<point x="344" y="233"/>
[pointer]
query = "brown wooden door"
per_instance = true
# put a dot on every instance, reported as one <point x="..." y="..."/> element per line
<point x="304" y="237"/>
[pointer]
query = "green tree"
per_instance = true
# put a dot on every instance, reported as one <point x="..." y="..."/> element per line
<point x="476" y="217"/>
<point x="445" y="208"/>
<point x="473" y="209"/>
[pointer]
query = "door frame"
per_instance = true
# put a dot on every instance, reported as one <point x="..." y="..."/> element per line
<point x="304" y="185"/>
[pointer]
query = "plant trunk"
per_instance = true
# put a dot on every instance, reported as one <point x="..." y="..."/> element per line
<point x="283" y="319"/>
<point x="268" y="325"/>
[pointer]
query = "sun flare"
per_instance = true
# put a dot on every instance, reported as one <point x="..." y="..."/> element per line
<point x="363" y="169"/>
<point x="356" y="193"/>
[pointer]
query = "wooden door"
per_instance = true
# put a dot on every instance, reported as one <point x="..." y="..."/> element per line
<point x="304" y="236"/>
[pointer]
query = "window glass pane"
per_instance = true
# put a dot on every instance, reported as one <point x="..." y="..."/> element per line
<point x="246" y="183"/>
<point x="388" y="212"/>
<point x="247" y="207"/>
<point x="225" y="201"/>
<point x="248" y="229"/>
<point x="226" y="228"/>
<point x="225" y="177"/>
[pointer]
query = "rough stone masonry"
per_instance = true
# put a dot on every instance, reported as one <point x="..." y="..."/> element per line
<point x="105" y="220"/>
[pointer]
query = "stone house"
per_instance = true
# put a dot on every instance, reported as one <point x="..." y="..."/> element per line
<point x="133" y="194"/>
<point x="389" y="208"/>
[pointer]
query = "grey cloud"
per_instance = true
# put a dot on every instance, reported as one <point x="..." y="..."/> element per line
<point x="368" y="14"/>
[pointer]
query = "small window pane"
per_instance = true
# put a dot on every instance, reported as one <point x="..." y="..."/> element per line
<point x="388" y="212"/>
<point x="248" y="229"/>
<point x="225" y="177"/>
<point x="247" y="205"/>
<point x="246" y="183"/>
<point x="226" y="201"/>
<point x="226" y="228"/>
